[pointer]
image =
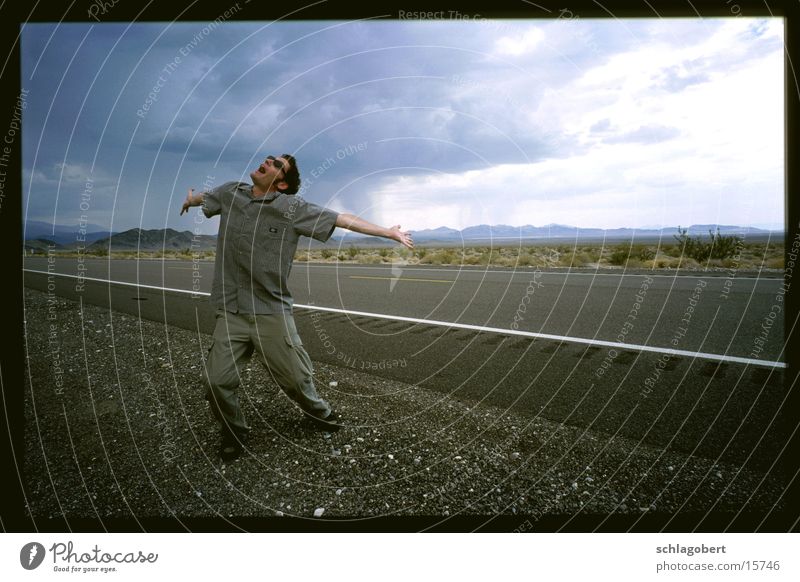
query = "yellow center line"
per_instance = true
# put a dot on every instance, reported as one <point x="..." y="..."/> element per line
<point x="402" y="279"/>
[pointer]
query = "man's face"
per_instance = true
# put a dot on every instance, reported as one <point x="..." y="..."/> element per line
<point x="271" y="172"/>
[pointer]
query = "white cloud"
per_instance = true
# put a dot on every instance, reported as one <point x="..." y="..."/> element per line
<point x="519" y="44"/>
<point x="716" y="153"/>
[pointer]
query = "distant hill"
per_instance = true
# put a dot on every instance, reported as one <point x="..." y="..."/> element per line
<point x="155" y="240"/>
<point x="41" y="245"/>
<point x="485" y="232"/>
<point x="64" y="234"/>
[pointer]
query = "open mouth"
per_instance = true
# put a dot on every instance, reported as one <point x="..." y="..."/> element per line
<point x="261" y="169"/>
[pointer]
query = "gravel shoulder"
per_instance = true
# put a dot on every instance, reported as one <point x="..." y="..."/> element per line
<point x="116" y="426"/>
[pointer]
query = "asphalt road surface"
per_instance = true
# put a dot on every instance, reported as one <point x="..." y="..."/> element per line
<point x="716" y="408"/>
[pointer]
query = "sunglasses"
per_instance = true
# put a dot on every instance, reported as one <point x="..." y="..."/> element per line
<point x="276" y="162"/>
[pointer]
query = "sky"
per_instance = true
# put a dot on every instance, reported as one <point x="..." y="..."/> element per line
<point x="595" y="123"/>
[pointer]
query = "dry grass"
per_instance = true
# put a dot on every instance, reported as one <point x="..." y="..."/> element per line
<point x="753" y="256"/>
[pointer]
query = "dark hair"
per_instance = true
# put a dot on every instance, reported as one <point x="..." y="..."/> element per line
<point x="292" y="176"/>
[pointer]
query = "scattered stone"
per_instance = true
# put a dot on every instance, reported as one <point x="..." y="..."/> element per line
<point x="333" y="384"/>
<point x="319" y="511"/>
<point x="514" y="456"/>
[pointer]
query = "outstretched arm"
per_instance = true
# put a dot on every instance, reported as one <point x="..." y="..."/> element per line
<point x="356" y="224"/>
<point x="191" y="200"/>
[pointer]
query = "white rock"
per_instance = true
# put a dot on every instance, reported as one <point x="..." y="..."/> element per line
<point x="390" y="456"/>
<point x="333" y="384"/>
<point x="514" y="456"/>
<point x="319" y="511"/>
<point x="278" y="514"/>
<point x="670" y="468"/>
<point x="338" y="492"/>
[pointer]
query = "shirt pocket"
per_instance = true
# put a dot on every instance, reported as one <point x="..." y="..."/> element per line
<point x="273" y="248"/>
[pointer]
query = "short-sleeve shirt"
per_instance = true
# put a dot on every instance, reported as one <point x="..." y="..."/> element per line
<point x="256" y="244"/>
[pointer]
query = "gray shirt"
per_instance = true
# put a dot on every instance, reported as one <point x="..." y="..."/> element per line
<point x="256" y="244"/>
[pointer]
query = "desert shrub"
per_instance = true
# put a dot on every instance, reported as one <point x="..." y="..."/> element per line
<point x="420" y="253"/>
<point x="718" y="246"/>
<point x="383" y="252"/>
<point x="352" y="251"/>
<point x="471" y="260"/>
<point x="525" y="260"/>
<point x="776" y="263"/>
<point x="503" y="262"/>
<point x="619" y="256"/>
<point x="644" y="253"/>
<point x="583" y="259"/>
<point x="629" y="254"/>
<point x="447" y="257"/>
<point x="327" y="253"/>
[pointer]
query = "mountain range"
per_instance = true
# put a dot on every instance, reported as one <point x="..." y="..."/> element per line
<point x="64" y="235"/>
<point x="39" y="235"/>
<point x="563" y="231"/>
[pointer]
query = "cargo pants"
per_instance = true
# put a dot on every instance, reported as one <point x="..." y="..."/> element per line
<point x="274" y="338"/>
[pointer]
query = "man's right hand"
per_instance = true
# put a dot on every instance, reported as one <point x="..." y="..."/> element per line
<point x="189" y="202"/>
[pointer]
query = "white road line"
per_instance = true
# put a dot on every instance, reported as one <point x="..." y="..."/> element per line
<point x="448" y="324"/>
<point x="142" y="285"/>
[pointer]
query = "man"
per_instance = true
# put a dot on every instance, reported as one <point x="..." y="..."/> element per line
<point x="260" y="225"/>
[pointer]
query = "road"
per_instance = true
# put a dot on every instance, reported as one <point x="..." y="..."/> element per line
<point x="712" y="407"/>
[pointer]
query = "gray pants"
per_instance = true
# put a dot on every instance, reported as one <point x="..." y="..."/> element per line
<point x="274" y="338"/>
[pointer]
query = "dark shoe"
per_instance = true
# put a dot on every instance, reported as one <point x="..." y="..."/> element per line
<point x="330" y="423"/>
<point x="231" y="447"/>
